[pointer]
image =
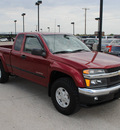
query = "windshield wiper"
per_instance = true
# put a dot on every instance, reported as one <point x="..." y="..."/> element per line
<point x="70" y="51"/>
<point x="61" y="52"/>
<point x="80" y="50"/>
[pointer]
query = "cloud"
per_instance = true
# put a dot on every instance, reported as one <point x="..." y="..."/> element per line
<point x="57" y="12"/>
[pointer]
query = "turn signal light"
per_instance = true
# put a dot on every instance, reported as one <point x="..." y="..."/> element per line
<point x="87" y="82"/>
<point x="86" y="71"/>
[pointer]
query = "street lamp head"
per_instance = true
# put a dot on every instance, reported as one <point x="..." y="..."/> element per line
<point x="58" y="25"/>
<point x="72" y="23"/>
<point x="15" y="21"/>
<point x="38" y="2"/>
<point x="97" y="18"/>
<point x="23" y="14"/>
<point x="86" y="8"/>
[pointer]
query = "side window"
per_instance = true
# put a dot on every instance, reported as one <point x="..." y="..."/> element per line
<point x="19" y="42"/>
<point x="31" y="43"/>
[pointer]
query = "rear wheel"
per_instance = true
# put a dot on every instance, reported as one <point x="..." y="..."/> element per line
<point x="4" y="76"/>
<point x="64" y="95"/>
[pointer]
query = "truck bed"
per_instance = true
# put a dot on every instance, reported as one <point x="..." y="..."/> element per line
<point x="6" y="46"/>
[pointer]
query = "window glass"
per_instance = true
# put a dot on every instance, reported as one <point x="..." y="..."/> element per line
<point x="63" y="42"/>
<point x="19" y="42"/>
<point x="90" y="41"/>
<point x="115" y="48"/>
<point x="31" y="43"/>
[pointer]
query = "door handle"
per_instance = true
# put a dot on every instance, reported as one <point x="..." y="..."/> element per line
<point x="23" y="56"/>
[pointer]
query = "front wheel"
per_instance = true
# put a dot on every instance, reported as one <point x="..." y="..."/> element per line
<point x="4" y="76"/>
<point x="64" y="95"/>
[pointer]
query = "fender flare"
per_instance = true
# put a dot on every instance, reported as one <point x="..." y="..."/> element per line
<point x="68" y="70"/>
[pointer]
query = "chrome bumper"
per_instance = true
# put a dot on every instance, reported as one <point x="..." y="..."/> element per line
<point x="98" y="92"/>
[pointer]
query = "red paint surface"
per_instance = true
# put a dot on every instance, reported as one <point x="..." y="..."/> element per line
<point x="71" y="64"/>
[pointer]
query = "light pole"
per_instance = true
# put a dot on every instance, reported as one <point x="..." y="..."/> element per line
<point x="73" y="27"/>
<point x="85" y="17"/>
<point x="100" y="24"/>
<point x="23" y="14"/>
<point x="98" y="19"/>
<point x="38" y="3"/>
<point x="15" y="26"/>
<point x="48" y="29"/>
<point x="58" y="27"/>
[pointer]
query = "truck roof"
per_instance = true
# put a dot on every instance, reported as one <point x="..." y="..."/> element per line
<point x="42" y="33"/>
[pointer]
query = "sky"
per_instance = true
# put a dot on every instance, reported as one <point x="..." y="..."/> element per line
<point x="59" y="12"/>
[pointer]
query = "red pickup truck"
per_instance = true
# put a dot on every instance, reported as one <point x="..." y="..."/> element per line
<point x="71" y="71"/>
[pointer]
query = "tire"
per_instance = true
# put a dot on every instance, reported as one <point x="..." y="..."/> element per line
<point x="64" y="95"/>
<point x="4" y="76"/>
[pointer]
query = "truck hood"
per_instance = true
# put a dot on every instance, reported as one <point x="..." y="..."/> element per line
<point x="89" y="60"/>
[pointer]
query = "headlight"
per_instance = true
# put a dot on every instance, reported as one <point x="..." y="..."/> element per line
<point x="96" y="82"/>
<point x="93" y="71"/>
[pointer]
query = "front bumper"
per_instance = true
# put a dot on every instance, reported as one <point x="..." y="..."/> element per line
<point x="93" y="96"/>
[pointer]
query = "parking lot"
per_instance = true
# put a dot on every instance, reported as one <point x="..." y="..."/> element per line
<point x="26" y="106"/>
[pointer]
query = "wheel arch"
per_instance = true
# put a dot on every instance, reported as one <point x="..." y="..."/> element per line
<point x="54" y="76"/>
<point x="3" y="63"/>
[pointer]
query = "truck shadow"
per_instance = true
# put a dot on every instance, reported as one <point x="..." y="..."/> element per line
<point x="103" y="110"/>
<point x="41" y="93"/>
<point x="29" y="88"/>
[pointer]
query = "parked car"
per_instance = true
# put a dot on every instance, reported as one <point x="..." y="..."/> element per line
<point x="107" y="37"/>
<point x="106" y="42"/>
<point x="90" y="41"/>
<point x="114" y="50"/>
<point x="3" y="39"/>
<point x="111" y="41"/>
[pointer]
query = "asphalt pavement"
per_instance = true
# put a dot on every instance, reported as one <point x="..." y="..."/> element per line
<point x="26" y="106"/>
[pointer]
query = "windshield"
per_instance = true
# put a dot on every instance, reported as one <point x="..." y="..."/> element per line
<point x="64" y="43"/>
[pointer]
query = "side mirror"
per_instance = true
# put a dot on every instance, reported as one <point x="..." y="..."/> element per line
<point x="38" y="52"/>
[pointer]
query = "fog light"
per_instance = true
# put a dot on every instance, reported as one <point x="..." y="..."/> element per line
<point x="93" y="82"/>
<point x="96" y="82"/>
<point x="96" y="98"/>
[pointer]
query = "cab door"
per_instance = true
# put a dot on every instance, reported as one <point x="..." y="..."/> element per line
<point x="26" y="65"/>
<point x="34" y="68"/>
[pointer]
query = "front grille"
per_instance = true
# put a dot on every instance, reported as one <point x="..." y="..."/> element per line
<point x="113" y="69"/>
<point x="115" y="79"/>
